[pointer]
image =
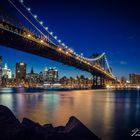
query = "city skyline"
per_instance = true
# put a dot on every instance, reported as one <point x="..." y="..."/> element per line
<point x="29" y="69"/>
<point x="103" y="29"/>
<point x="32" y="70"/>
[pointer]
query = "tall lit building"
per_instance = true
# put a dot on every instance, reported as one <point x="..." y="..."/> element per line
<point x="32" y="77"/>
<point x="50" y="75"/>
<point x="45" y="74"/>
<point x="40" y="76"/>
<point x="6" y="72"/>
<point x="53" y="75"/>
<point x="123" y="80"/>
<point x="20" y="71"/>
<point x="0" y="70"/>
<point x="134" y="78"/>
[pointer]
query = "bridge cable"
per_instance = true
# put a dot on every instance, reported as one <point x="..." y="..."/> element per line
<point x="99" y="57"/>
<point x="108" y="67"/>
<point x="27" y="19"/>
<point x="41" y="24"/>
<point x="96" y="58"/>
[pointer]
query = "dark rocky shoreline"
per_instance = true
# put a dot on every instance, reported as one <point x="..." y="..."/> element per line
<point x="12" y="129"/>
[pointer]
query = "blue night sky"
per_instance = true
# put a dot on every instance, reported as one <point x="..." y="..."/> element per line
<point x="88" y="27"/>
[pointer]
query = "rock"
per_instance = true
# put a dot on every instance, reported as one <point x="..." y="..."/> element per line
<point x="78" y="129"/>
<point x="30" y="124"/>
<point x="60" y="129"/>
<point x="49" y="128"/>
<point x="32" y="130"/>
<point x="61" y="136"/>
<point x="12" y="129"/>
<point x="9" y="125"/>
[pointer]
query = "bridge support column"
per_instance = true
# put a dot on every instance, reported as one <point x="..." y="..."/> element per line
<point x="98" y="82"/>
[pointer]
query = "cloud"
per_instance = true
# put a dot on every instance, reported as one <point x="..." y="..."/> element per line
<point x="122" y="62"/>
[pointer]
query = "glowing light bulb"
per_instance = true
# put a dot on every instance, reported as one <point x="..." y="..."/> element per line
<point x="67" y="52"/>
<point x="35" y="16"/>
<point x="41" y="22"/>
<point x="63" y="44"/>
<point x="46" y="28"/>
<point x="29" y="9"/>
<point x="21" y="1"/>
<point x="55" y="37"/>
<point x="41" y="41"/>
<point x="51" y="33"/>
<point x="60" y="49"/>
<point x="29" y="35"/>
<point x="71" y="51"/>
<point x="59" y="41"/>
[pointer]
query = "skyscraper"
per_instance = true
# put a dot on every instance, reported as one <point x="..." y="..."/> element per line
<point x="134" y="78"/>
<point x="45" y="74"/>
<point x="6" y="72"/>
<point x="51" y="75"/>
<point x="0" y="70"/>
<point x="32" y="77"/>
<point x="20" y="71"/>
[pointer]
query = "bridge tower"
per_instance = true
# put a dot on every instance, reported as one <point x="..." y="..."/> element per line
<point x="100" y="61"/>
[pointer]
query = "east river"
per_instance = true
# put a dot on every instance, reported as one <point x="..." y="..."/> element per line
<point x="109" y="114"/>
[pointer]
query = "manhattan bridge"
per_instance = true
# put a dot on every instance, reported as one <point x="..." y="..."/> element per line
<point x="36" y="38"/>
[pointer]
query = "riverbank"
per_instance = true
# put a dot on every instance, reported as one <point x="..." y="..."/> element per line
<point x="12" y="129"/>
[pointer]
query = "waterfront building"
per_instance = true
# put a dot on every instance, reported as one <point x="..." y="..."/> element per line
<point x="50" y="75"/>
<point x="0" y="70"/>
<point x="76" y="82"/>
<point x="32" y="78"/>
<point x="6" y="76"/>
<point x="134" y="78"/>
<point x="53" y="75"/>
<point x="45" y="74"/>
<point x="6" y="72"/>
<point x="13" y="76"/>
<point x="123" y="80"/>
<point x="40" y="77"/>
<point x="20" y="71"/>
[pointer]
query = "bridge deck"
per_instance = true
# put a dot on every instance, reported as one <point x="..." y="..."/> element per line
<point x="13" y="37"/>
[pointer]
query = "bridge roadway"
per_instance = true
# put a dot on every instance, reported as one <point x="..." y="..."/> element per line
<point x="23" y="40"/>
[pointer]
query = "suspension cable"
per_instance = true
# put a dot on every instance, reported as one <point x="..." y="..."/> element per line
<point x="28" y="19"/>
<point x="41" y="24"/>
<point x="96" y="58"/>
<point x="108" y="66"/>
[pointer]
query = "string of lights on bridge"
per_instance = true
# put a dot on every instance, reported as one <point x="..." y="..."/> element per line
<point x="35" y="16"/>
<point x="45" y="28"/>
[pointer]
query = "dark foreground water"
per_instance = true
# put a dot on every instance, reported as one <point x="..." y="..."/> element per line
<point x="109" y="114"/>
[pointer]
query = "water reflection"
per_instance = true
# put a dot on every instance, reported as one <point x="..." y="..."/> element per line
<point x="110" y="114"/>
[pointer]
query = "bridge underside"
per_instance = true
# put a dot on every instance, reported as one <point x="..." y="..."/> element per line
<point x="15" y="41"/>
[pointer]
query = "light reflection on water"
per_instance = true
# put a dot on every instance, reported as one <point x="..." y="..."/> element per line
<point x="109" y="114"/>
